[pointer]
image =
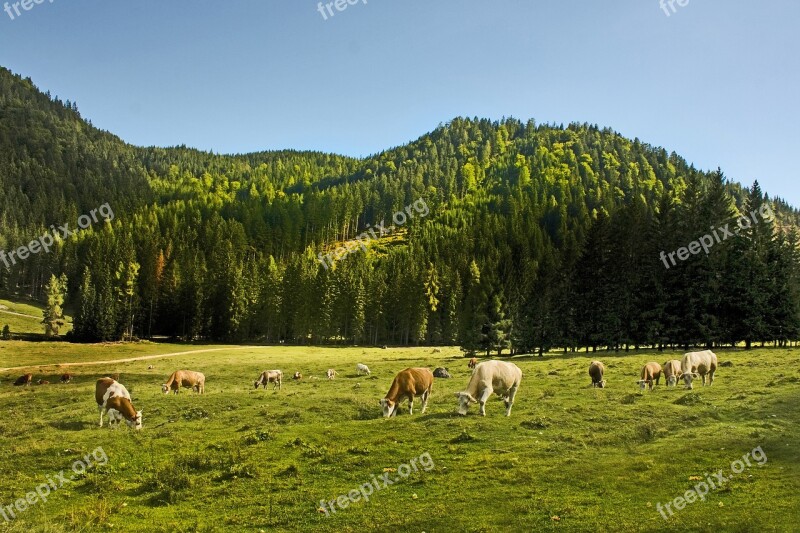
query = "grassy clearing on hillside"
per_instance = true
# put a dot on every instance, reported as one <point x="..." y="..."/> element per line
<point x="570" y="457"/>
<point x="25" y="318"/>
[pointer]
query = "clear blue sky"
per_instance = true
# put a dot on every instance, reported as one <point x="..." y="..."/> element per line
<point x="716" y="81"/>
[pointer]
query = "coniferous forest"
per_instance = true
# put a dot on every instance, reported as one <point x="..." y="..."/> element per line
<point x="538" y="236"/>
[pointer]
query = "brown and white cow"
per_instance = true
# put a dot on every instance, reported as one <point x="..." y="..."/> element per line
<point x="651" y="374"/>
<point x="699" y="365"/>
<point x="297" y="376"/>
<point x="490" y="377"/>
<point x="114" y="399"/>
<point x="66" y="378"/>
<point x="672" y="372"/>
<point x="24" y="380"/>
<point x="472" y="363"/>
<point x="270" y="376"/>
<point x="187" y="379"/>
<point x="331" y="373"/>
<point x="596" y="371"/>
<point x="408" y="384"/>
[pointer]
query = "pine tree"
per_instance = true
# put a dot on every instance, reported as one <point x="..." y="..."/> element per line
<point x="56" y="291"/>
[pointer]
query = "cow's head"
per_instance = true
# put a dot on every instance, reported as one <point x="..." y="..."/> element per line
<point x="672" y="381"/>
<point x="165" y="388"/>
<point x="389" y="407"/>
<point x="136" y="423"/>
<point x="601" y="384"/>
<point x="464" y="401"/>
<point x="642" y="384"/>
<point x="688" y="377"/>
<point x="256" y="383"/>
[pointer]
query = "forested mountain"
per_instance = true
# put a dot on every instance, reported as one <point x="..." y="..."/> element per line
<point x="533" y="236"/>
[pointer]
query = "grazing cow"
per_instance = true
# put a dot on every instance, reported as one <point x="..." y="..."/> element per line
<point x="699" y="364"/>
<point x="472" y="363"/>
<point x="187" y="379"/>
<point x="66" y="378"/>
<point x="409" y="383"/>
<point x="490" y="376"/>
<point x="114" y="399"/>
<point x="43" y="382"/>
<point x="442" y="373"/>
<point x="596" y="371"/>
<point x="331" y="373"/>
<point x="24" y="380"/>
<point x="151" y="367"/>
<point x="437" y="350"/>
<point x="361" y="368"/>
<point x="270" y="376"/>
<point x="651" y="374"/>
<point x="672" y="372"/>
<point x="297" y="376"/>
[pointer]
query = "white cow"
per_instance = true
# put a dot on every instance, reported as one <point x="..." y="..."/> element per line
<point x="331" y="373"/>
<point x="490" y="376"/>
<point x="361" y="368"/>
<point x="699" y="364"/>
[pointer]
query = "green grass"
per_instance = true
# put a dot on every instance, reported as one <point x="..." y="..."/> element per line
<point x="570" y="457"/>
<point x="30" y="323"/>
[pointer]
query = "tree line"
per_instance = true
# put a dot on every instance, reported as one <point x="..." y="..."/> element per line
<point x="539" y="236"/>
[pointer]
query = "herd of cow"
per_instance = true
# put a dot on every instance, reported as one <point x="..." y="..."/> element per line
<point x="488" y="377"/>
<point x="693" y="365"/>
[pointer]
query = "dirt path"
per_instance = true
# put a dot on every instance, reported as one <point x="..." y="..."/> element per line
<point x="129" y="360"/>
<point x="19" y="314"/>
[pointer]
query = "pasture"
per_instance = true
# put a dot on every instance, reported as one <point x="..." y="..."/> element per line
<point x="569" y="458"/>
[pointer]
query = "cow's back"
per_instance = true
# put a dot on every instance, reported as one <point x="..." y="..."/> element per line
<point x="499" y="374"/>
<point x="189" y="378"/>
<point x="107" y="388"/>
<point x="414" y="380"/>
<point x="596" y="370"/>
<point x="692" y="361"/>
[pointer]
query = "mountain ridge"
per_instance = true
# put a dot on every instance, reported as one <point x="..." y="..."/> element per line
<point x="224" y="247"/>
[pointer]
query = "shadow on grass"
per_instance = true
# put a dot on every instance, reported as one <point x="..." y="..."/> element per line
<point x="440" y="416"/>
<point x="73" y="425"/>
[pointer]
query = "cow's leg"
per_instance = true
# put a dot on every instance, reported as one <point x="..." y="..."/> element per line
<point x="425" y="396"/>
<point x="482" y="401"/>
<point x="411" y="404"/>
<point x="510" y="399"/>
<point x="100" y="408"/>
<point x="710" y="378"/>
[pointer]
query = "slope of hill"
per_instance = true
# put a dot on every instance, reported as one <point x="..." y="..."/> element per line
<point x="25" y="318"/>
<point x="535" y="235"/>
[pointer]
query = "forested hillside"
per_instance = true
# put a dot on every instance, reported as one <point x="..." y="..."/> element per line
<point x="535" y="236"/>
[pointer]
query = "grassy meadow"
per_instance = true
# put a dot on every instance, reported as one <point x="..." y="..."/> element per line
<point x="569" y="458"/>
<point x="25" y="317"/>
